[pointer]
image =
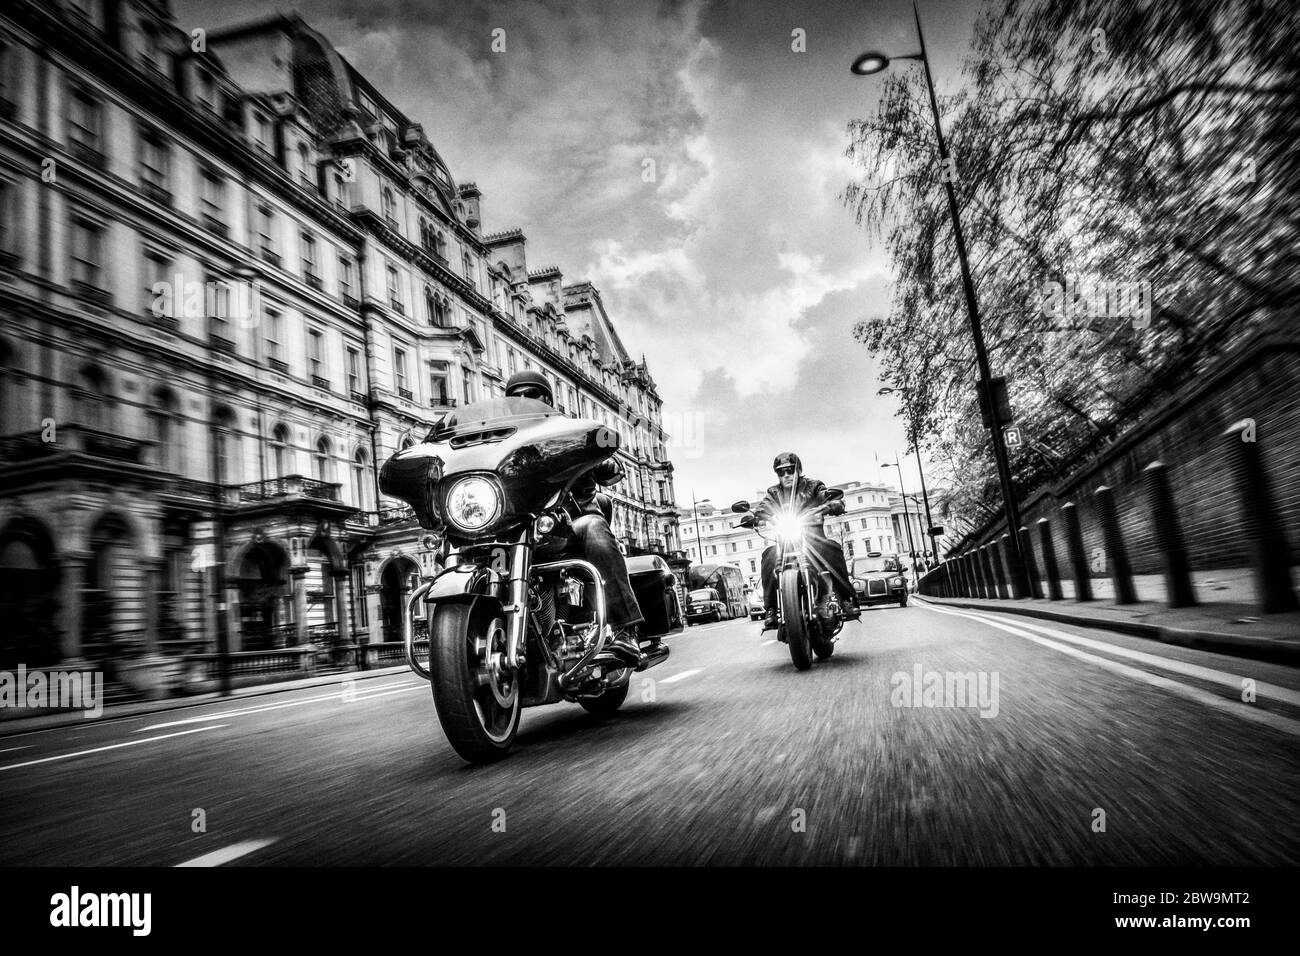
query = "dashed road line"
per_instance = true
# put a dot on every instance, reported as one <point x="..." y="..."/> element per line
<point x="263" y="708"/>
<point x="227" y="854"/>
<point x="682" y="676"/>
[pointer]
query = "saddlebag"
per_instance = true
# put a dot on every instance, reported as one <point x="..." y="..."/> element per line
<point x="655" y="587"/>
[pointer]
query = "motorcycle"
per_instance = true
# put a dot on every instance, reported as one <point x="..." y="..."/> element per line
<point x="808" y="626"/>
<point x="507" y="631"/>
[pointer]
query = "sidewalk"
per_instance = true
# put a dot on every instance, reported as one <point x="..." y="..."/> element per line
<point x="45" y="720"/>
<point x="1224" y="627"/>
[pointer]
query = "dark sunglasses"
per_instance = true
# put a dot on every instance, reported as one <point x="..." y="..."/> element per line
<point x="530" y="393"/>
<point x="785" y="471"/>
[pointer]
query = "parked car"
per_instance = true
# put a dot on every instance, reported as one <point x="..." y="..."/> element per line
<point x="754" y="603"/>
<point x="878" y="579"/>
<point x="704" y="604"/>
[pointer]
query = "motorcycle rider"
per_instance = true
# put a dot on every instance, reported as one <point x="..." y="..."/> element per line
<point x="795" y="493"/>
<point x="591" y="537"/>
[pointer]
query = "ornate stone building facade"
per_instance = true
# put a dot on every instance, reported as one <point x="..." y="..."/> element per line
<point x="233" y="281"/>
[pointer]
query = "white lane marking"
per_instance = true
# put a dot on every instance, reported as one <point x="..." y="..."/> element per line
<point x="263" y="708"/>
<point x="218" y="857"/>
<point x="8" y="750"/>
<point x="772" y="641"/>
<point x="682" y="676"/>
<point x="1224" y="678"/>
<point x="1242" y="710"/>
<point x="95" y="750"/>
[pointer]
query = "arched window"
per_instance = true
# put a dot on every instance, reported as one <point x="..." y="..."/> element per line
<point x="323" y="467"/>
<point x="280" y="450"/>
<point x="304" y="166"/>
<point x="426" y="242"/>
<point x="361" y="480"/>
<point x="388" y="206"/>
<point x="431" y="306"/>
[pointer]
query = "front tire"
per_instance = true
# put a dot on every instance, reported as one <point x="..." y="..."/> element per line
<point x="610" y="701"/>
<point x="794" y="619"/>
<point x="902" y="602"/>
<point x="477" y="699"/>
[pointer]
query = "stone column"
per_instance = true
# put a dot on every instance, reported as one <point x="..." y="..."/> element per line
<point x="298" y="576"/>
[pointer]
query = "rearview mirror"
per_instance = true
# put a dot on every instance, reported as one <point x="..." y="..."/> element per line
<point x="740" y="507"/>
<point x="835" y="494"/>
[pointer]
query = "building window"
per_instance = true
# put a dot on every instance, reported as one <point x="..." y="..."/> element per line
<point x="439" y="384"/>
<point x="85" y="124"/>
<point x="359" y="484"/>
<point x="162" y="428"/>
<point x="354" y="371"/>
<point x="207" y="90"/>
<point x="266" y="234"/>
<point x="753" y="566"/>
<point x="388" y="207"/>
<point x="468" y="265"/>
<point x="262" y="132"/>
<point x="280" y="450"/>
<point x="315" y="355"/>
<point x="399" y="369"/>
<point x="305" y="173"/>
<point x="346" y="278"/>
<point x="273" y="322"/>
<point x="394" y="290"/>
<point x="468" y="382"/>
<point x="308" y="243"/>
<point x="87" y="253"/>
<point x="212" y="199"/>
<point x="324" y="471"/>
<point x="155" y="160"/>
<point x="341" y="198"/>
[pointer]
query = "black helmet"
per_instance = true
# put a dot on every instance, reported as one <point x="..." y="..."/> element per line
<point x="529" y="382"/>
<point x="787" y="458"/>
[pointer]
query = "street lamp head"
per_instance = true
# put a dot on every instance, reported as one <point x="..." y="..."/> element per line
<point x="869" y="62"/>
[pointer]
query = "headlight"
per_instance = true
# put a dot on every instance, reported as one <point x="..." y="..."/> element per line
<point x="789" y="529"/>
<point x="896" y="582"/>
<point x="473" y="503"/>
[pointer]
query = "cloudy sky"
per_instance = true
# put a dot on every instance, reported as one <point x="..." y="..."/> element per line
<point x="688" y="161"/>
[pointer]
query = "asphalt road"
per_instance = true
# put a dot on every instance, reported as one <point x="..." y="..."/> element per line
<point x="730" y="756"/>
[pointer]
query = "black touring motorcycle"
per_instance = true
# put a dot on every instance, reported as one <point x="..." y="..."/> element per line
<point x="808" y="625"/>
<point x="506" y="632"/>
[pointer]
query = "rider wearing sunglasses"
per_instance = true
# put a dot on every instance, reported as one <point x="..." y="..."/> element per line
<point x="795" y="493"/>
<point x="589" y="515"/>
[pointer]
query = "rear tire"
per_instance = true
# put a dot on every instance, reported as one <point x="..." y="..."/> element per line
<point x="794" y="620"/>
<point x="463" y="639"/>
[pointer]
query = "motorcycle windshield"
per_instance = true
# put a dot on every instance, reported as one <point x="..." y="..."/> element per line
<point x="534" y="451"/>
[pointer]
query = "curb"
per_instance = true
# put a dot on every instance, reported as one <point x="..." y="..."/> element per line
<point x="14" y="726"/>
<point x="1266" y="649"/>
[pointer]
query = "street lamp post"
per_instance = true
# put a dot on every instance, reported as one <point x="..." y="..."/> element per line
<point x="873" y="62"/>
<point x="916" y="450"/>
<point x="907" y="518"/>
<point x="699" y="542"/>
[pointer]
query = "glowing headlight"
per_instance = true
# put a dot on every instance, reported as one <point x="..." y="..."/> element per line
<point x="896" y="582"/>
<point x="789" y="529"/>
<point x="473" y="503"/>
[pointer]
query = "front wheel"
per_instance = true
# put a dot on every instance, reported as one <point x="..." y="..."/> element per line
<point x="902" y="602"/>
<point x="476" y="695"/>
<point x="794" y="618"/>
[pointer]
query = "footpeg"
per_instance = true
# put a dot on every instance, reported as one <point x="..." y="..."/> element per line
<point x="653" y="658"/>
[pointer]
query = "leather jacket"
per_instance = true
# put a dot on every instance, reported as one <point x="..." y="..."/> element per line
<point x="808" y="493"/>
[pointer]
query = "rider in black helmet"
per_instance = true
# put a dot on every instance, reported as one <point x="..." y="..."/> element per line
<point x="796" y="492"/>
<point x="589" y="516"/>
